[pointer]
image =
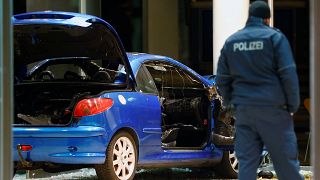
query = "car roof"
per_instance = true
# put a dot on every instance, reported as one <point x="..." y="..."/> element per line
<point x="136" y="59"/>
<point x="135" y="56"/>
<point x="57" y="17"/>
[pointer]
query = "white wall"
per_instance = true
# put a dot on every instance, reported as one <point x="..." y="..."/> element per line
<point x="161" y="29"/>
<point x="315" y="86"/>
<point x="54" y="5"/>
<point x="229" y="16"/>
<point x="92" y="7"/>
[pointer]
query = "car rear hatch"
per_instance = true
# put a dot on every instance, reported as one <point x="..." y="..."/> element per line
<point x="51" y="38"/>
<point x="43" y="35"/>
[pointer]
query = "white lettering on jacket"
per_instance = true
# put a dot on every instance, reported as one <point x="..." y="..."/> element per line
<point x="248" y="46"/>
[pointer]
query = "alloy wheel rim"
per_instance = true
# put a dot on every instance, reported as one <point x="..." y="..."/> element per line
<point x="233" y="160"/>
<point x="123" y="158"/>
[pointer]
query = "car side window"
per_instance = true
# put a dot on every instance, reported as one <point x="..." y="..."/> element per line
<point x="168" y="75"/>
<point x="145" y="82"/>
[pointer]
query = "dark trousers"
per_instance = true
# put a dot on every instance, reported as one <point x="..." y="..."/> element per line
<point x="257" y="126"/>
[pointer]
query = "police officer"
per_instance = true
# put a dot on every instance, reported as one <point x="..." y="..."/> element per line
<point x="257" y="74"/>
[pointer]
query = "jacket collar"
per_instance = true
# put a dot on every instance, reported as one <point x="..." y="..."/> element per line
<point x="252" y="20"/>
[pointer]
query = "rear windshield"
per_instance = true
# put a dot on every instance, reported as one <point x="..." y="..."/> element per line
<point x="70" y="69"/>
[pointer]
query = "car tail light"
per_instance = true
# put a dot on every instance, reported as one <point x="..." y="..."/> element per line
<point x="25" y="147"/>
<point x="87" y="107"/>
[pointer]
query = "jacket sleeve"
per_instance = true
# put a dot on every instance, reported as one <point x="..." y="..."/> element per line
<point x="223" y="78"/>
<point x="286" y="70"/>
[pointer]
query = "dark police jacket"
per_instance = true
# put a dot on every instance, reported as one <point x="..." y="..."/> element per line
<point x="256" y="67"/>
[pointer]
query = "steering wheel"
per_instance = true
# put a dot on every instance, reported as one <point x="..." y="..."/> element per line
<point x="46" y="75"/>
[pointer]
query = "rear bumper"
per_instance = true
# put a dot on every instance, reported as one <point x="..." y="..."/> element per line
<point x="67" y="145"/>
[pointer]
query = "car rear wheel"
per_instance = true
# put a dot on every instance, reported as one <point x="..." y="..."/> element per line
<point x="121" y="158"/>
<point x="228" y="167"/>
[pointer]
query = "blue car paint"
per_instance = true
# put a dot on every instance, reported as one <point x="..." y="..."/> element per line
<point x="180" y="158"/>
<point x="57" y="132"/>
<point x="210" y="78"/>
<point x="86" y="141"/>
<point x="147" y="114"/>
<point x="90" y="149"/>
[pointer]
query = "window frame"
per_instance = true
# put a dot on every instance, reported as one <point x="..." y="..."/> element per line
<point x="185" y="71"/>
<point x="145" y="71"/>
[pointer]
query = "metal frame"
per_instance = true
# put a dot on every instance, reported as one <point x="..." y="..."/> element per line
<point x="6" y="89"/>
<point x="315" y="86"/>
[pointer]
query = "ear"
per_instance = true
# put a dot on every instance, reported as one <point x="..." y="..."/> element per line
<point x="266" y="21"/>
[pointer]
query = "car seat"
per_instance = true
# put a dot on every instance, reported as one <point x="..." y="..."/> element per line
<point x="69" y="75"/>
<point x="102" y="76"/>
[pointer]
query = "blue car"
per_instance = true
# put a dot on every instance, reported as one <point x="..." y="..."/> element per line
<point x="82" y="101"/>
<point x="210" y="78"/>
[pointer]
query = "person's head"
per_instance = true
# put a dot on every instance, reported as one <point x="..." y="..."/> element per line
<point x="260" y="9"/>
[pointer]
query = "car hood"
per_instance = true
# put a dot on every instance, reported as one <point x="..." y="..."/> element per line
<point x="49" y="34"/>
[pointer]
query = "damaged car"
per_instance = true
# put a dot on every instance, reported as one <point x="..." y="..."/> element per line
<point x="82" y="101"/>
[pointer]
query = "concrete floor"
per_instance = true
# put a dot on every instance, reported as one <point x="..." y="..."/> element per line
<point x="142" y="174"/>
<point x="169" y="173"/>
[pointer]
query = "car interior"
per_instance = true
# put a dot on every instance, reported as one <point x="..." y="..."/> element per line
<point x="47" y="95"/>
<point x="186" y="109"/>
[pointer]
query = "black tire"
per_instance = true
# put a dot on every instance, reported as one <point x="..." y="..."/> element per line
<point x="228" y="167"/>
<point x="126" y="163"/>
